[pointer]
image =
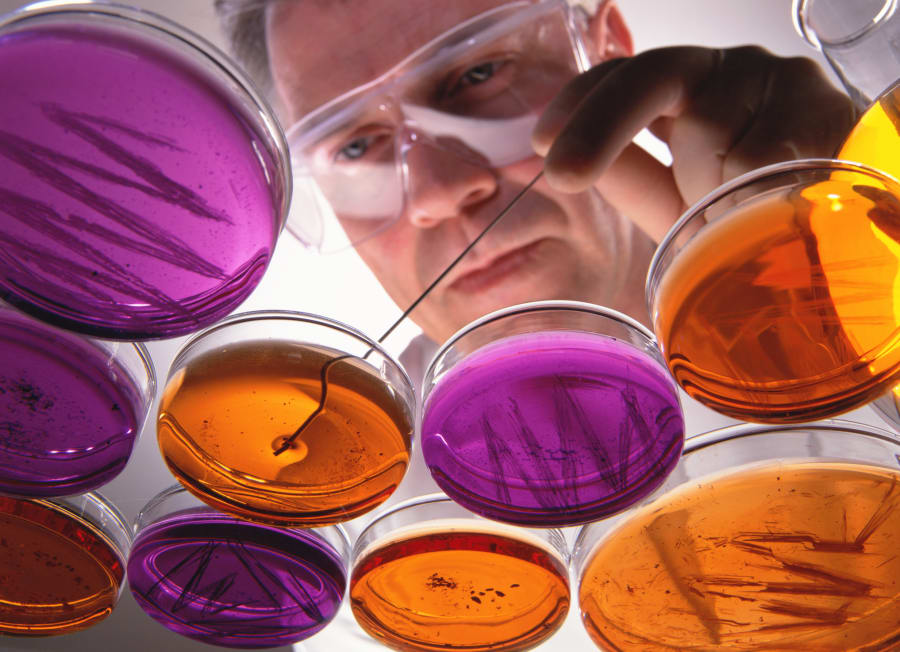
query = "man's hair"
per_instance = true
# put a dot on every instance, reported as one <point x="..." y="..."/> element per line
<point x="244" y="24"/>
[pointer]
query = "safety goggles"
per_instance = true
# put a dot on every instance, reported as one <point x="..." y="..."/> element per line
<point x="475" y="92"/>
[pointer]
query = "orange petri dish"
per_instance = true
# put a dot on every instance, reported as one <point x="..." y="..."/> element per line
<point x="61" y="563"/>
<point x="429" y="576"/>
<point x="777" y="298"/>
<point x="798" y="552"/>
<point x="260" y="422"/>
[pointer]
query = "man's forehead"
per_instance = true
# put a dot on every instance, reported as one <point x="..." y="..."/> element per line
<point x="319" y="50"/>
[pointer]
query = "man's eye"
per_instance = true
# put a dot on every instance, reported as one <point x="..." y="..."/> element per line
<point x="473" y="76"/>
<point x="478" y="74"/>
<point x="355" y="149"/>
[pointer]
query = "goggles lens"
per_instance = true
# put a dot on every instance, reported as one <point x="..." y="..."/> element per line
<point x="476" y="93"/>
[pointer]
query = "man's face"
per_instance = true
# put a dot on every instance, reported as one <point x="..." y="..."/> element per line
<point x="551" y="246"/>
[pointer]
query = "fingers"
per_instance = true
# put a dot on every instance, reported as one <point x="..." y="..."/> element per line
<point x="625" y="96"/>
<point x="800" y="115"/>
<point x="641" y="187"/>
<point x="560" y="110"/>
<point x="755" y="109"/>
<point x="721" y="112"/>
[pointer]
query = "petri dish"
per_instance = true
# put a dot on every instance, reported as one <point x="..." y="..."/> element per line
<point x="230" y="582"/>
<point x="71" y="407"/>
<point x="764" y="537"/>
<point x="286" y="418"/>
<point x="774" y="298"/>
<point x="143" y="180"/>
<point x="429" y="575"/>
<point x="63" y="563"/>
<point x="550" y="414"/>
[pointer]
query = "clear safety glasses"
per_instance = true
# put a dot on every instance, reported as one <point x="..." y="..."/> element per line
<point x="474" y="93"/>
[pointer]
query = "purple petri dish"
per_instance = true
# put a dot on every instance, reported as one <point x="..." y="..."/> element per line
<point x="550" y="414"/>
<point x="234" y="583"/>
<point x="143" y="182"/>
<point x="71" y="408"/>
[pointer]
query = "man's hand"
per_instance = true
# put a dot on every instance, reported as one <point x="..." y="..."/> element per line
<point x="721" y="112"/>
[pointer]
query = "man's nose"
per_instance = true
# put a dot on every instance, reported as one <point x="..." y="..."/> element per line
<point x="442" y="180"/>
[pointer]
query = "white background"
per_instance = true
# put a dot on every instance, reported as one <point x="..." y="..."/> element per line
<point x="340" y="287"/>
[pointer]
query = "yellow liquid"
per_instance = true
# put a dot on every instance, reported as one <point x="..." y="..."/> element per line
<point x="803" y="556"/>
<point x="875" y="139"/>
<point x="223" y="417"/>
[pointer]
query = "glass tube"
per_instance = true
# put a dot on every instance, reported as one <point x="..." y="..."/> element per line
<point x="859" y="39"/>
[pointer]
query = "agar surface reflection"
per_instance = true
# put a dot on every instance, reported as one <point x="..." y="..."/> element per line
<point x="554" y="428"/>
<point x="459" y="587"/>
<point x="784" y="311"/>
<point x="226" y="418"/>
<point x="118" y="221"/>
<point x="791" y="557"/>
<point x="229" y="582"/>
<point x="58" y="572"/>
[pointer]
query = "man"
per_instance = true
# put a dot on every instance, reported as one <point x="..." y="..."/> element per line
<point x="416" y="121"/>
<point x="444" y="165"/>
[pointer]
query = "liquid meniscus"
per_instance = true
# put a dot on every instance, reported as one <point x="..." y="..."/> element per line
<point x="785" y="309"/>
<point x="225" y="415"/>
<point x="59" y="573"/>
<point x="230" y="582"/>
<point x="799" y="556"/>
<point x="69" y="414"/>
<point x="439" y="588"/>
<point x="552" y="428"/>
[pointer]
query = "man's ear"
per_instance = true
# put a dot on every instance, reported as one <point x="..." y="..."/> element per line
<point x="608" y="34"/>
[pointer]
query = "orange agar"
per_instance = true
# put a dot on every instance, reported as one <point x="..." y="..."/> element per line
<point x="465" y="588"/>
<point x="58" y="572"/>
<point x="226" y="420"/>
<point x="800" y="556"/>
<point x="787" y="309"/>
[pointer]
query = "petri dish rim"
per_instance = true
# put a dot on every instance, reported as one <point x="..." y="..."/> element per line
<point x="287" y="316"/>
<point x="592" y="536"/>
<point x="661" y="260"/>
<point x="532" y="307"/>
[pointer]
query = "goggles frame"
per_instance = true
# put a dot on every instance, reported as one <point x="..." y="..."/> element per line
<point x="421" y="63"/>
